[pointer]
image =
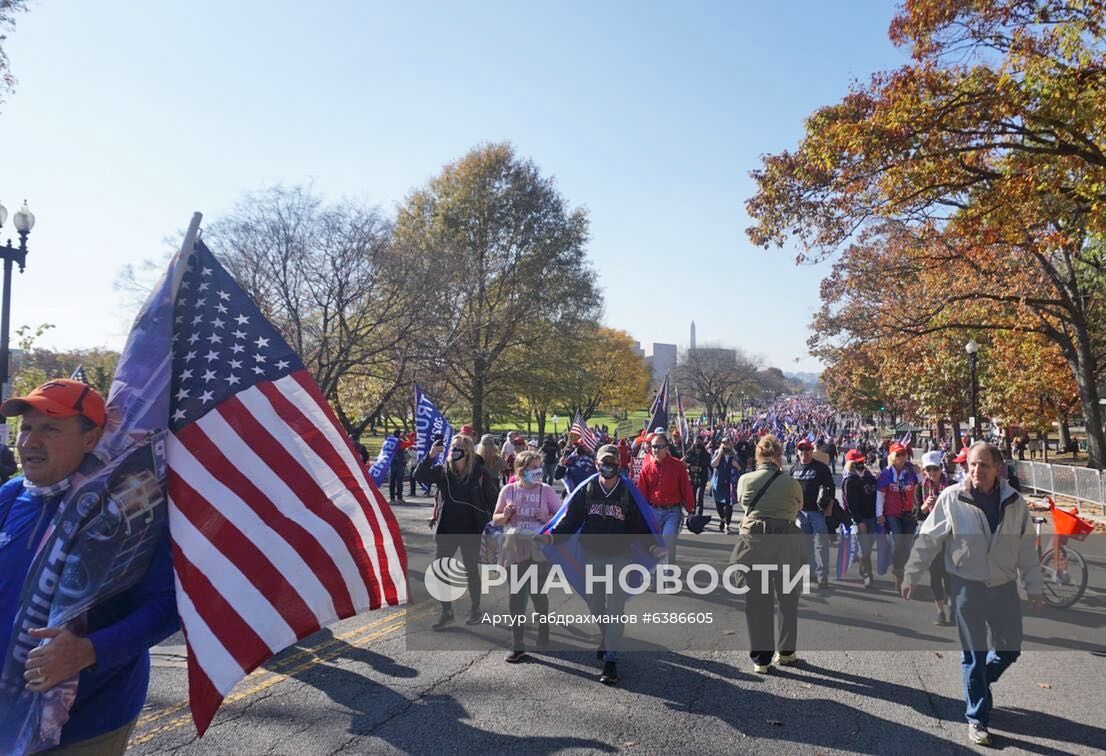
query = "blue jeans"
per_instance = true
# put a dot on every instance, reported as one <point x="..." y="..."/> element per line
<point x="813" y="525"/>
<point x="669" y="520"/>
<point x="611" y="604"/>
<point x="902" y="537"/>
<point x="867" y="540"/>
<point x="979" y="609"/>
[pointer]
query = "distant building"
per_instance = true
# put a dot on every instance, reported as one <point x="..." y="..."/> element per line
<point x="638" y="350"/>
<point x="662" y="360"/>
<point x="693" y="334"/>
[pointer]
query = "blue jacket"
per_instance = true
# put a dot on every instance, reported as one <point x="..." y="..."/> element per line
<point x="122" y="629"/>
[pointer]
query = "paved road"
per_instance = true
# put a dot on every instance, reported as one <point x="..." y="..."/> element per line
<point x="364" y="685"/>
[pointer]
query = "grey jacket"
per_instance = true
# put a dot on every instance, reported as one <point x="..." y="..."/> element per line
<point x="972" y="552"/>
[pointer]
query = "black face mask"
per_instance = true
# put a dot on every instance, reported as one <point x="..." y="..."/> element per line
<point x="608" y="471"/>
<point x="457" y="455"/>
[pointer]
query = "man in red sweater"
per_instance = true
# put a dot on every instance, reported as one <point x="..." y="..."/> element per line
<point x="667" y="488"/>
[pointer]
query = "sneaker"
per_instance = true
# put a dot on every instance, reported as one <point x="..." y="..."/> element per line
<point x="785" y="660"/>
<point x="721" y="527"/>
<point x="610" y="674"/>
<point x="978" y="734"/>
<point x="599" y="654"/>
<point x="515" y="656"/>
<point x="474" y="617"/>
<point x="869" y="583"/>
<point x="443" y="620"/>
<point x="941" y="620"/>
<point x="762" y="669"/>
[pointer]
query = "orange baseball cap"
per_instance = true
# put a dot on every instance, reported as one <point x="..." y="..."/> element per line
<point x="59" y="398"/>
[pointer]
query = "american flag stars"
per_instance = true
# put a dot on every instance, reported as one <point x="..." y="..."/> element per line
<point x="233" y="360"/>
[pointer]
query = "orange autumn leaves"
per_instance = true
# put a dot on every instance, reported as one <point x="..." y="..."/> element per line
<point x="961" y="195"/>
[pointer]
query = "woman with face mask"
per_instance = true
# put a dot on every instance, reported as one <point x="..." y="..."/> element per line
<point x="925" y="498"/>
<point x="524" y="507"/>
<point x="466" y="498"/>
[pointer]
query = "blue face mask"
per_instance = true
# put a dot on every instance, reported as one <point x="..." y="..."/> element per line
<point x="532" y="476"/>
<point x="457" y="454"/>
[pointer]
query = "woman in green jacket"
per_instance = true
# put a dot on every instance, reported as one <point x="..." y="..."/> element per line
<point x="769" y="536"/>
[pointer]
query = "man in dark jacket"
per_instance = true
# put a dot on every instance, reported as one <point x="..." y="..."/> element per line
<point x="816" y="480"/>
<point x="397" y="469"/>
<point x="609" y="516"/>
<point x="550" y="451"/>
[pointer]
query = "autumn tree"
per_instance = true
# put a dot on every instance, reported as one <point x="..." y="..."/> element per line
<point x="332" y="279"/>
<point x="605" y="373"/>
<point x="983" y="162"/>
<point x="511" y="255"/>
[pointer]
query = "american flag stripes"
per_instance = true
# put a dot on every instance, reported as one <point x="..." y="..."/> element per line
<point x="587" y="438"/>
<point x="276" y="529"/>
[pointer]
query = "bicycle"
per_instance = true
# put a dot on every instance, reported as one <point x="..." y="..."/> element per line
<point x="1065" y="570"/>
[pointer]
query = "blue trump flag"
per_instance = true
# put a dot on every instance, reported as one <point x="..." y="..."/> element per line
<point x="569" y="553"/>
<point x="429" y="422"/>
<point x="380" y="468"/>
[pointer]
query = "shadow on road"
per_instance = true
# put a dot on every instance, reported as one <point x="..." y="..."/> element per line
<point x="428" y="722"/>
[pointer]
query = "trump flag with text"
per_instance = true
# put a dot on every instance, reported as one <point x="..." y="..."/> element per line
<point x="277" y="530"/>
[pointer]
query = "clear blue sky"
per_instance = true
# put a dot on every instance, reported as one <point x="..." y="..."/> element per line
<point x="130" y="115"/>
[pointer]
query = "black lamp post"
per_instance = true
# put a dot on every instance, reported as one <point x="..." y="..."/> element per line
<point x="972" y="348"/>
<point x="23" y="221"/>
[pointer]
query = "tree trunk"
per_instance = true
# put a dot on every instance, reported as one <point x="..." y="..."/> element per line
<point x="958" y="439"/>
<point x="1065" y="436"/>
<point x="478" y="397"/>
<point x="540" y="417"/>
<point x="940" y="430"/>
<point x="1086" y="379"/>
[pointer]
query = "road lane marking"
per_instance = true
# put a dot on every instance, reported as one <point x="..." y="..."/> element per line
<point x="265" y="684"/>
<point x="279" y="667"/>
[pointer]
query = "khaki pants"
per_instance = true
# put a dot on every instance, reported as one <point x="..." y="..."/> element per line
<point x="778" y="543"/>
<point x="109" y="744"/>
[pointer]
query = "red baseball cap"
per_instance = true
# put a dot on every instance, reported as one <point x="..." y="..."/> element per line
<point x="895" y="448"/>
<point x="854" y="456"/>
<point x="804" y="444"/>
<point x="60" y="398"/>
<point x="962" y="457"/>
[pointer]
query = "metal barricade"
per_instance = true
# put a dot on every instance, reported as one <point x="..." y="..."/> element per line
<point x="1088" y="485"/>
<point x="1080" y="483"/>
<point x="1063" y="480"/>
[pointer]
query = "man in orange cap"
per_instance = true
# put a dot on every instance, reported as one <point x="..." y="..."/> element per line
<point x="61" y="423"/>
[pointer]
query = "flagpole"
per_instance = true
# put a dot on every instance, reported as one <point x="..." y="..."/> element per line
<point x="186" y="248"/>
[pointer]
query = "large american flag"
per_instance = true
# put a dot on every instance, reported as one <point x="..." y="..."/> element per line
<point x="276" y="529"/>
<point x="587" y="438"/>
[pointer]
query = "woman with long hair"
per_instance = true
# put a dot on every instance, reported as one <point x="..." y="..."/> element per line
<point x="467" y="495"/>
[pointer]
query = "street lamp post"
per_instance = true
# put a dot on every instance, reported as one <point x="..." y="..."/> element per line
<point x="972" y="348"/>
<point x="23" y="221"/>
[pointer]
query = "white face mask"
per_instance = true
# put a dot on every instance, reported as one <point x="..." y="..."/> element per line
<point x="532" y="476"/>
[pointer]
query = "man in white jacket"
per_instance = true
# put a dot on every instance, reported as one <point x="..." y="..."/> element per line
<point x="988" y="534"/>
